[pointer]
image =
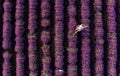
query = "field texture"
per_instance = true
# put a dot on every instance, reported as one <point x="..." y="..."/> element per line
<point x="36" y="38"/>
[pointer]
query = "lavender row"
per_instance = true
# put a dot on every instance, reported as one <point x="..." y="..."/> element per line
<point x="72" y="50"/>
<point x="19" y="32"/>
<point x="7" y="64"/>
<point x="85" y="13"/>
<point x="45" y="13"/>
<point x="32" y="16"/>
<point x="7" y="34"/>
<point x="99" y="51"/>
<point x="20" y="59"/>
<point x="7" y="26"/>
<point x="45" y="38"/>
<point x="112" y="40"/>
<point x="46" y="60"/>
<point x="32" y="38"/>
<point x="59" y="16"/>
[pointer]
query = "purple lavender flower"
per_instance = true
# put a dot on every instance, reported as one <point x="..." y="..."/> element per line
<point x="45" y="36"/>
<point x="112" y="40"/>
<point x="7" y="6"/>
<point x="85" y="38"/>
<point x="45" y="13"/>
<point x="72" y="56"/>
<point x="46" y="49"/>
<point x="99" y="68"/>
<point x="59" y="36"/>
<point x="33" y="63"/>
<point x="32" y="38"/>
<point x="7" y="34"/>
<point x="46" y="60"/>
<point x="46" y="73"/>
<point x="20" y="59"/>
<point x="7" y="64"/>
<point x="72" y="70"/>
<point x="72" y="50"/>
<point x="19" y="31"/>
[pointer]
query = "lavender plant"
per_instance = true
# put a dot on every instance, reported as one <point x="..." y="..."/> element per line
<point x="85" y="13"/>
<point x="45" y="13"/>
<point x="7" y="64"/>
<point x="99" y="51"/>
<point x="7" y="34"/>
<point x="46" y="60"/>
<point x="19" y="31"/>
<point x="45" y="38"/>
<point x="112" y="40"/>
<point x="59" y="37"/>
<point x="72" y="50"/>
<point x="32" y="38"/>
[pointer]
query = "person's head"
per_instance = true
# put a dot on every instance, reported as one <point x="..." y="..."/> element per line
<point x="84" y="25"/>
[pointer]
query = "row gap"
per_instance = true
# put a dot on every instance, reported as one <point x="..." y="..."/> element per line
<point x="12" y="51"/>
<point x="25" y="36"/>
<point x="104" y="16"/>
<point x="92" y="38"/>
<point x="78" y="17"/>
<point x="118" y="35"/>
<point x="65" y="44"/>
<point x="1" y="33"/>
<point x="51" y="29"/>
<point x="39" y="42"/>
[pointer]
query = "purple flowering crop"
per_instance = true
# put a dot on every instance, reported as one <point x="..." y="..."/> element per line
<point x="19" y="30"/>
<point x="32" y="37"/>
<point x="59" y="38"/>
<point x="45" y="38"/>
<point x="112" y="40"/>
<point x="85" y="13"/>
<point x="46" y="60"/>
<point x="72" y="50"/>
<point x="7" y="34"/>
<point x="99" y="67"/>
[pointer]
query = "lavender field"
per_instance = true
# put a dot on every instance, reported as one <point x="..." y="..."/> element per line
<point x="36" y="38"/>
